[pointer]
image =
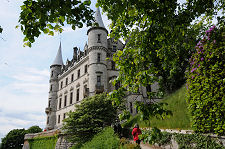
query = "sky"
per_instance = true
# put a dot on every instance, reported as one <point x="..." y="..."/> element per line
<point x="24" y="71"/>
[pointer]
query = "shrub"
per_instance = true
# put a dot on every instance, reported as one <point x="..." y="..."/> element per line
<point x="206" y="83"/>
<point x="89" y="118"/>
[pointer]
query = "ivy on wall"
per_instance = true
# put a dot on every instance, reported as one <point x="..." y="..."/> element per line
<point x="48" y="142"/>
<point x="206" y="83"/>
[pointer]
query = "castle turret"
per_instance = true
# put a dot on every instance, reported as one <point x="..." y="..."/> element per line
<point x="55" y="69"/>
<point x="97" y="48"/>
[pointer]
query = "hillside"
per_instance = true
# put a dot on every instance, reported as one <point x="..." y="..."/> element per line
<point x="180" y="118"/>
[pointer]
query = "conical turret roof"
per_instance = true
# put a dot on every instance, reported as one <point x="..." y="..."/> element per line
<point x="58" y="59"/>
<point x="98" y="18"/>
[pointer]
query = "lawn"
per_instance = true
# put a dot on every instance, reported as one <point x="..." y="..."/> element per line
<point x="179" y="120"/>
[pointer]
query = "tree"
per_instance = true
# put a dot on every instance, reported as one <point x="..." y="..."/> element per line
<point x="14" y="139"/>
<point x="89" y="118"/>
<point x="160" y="38"/>
<point x="34" y="129"/>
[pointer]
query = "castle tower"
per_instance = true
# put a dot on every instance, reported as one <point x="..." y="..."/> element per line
<point x="97" y="48"/>
<point x="54" y="86"/>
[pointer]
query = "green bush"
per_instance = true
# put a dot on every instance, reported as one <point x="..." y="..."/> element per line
<point x="106" y="139"/>
<point x="43" y="142"/>
<point x="206" y="83"/>
<point x="89" y="118"/>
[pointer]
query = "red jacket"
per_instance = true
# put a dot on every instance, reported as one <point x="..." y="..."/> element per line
<point x="135" y="133"/>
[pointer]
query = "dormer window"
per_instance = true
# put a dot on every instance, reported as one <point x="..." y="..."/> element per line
<point x="99" y="38"/>
<point x="99" y="57"/>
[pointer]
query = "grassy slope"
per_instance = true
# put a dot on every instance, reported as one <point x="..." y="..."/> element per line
<point x="178" y="106"/>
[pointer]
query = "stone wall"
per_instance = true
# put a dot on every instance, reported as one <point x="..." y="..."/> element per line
<point x="62" y="143"/>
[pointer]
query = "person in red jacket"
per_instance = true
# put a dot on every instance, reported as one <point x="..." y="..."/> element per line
<point x="136" y="131"/>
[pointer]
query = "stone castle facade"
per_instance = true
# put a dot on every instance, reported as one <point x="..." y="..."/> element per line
<point x="88" y="73"/>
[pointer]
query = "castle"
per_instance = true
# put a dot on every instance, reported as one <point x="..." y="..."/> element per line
<point x="88" y="73"/>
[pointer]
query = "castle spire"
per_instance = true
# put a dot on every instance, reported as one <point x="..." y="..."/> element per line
<point x="98" y="18"/>
<point x="58" y="59"/>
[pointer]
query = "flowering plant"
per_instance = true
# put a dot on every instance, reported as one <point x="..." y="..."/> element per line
<point x="206" y="83"/>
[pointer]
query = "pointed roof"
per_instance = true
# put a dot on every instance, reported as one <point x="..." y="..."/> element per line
<point x="98" y="18"/>
<point x="58" y="59"/>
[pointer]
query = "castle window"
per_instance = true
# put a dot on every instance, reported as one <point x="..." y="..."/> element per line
<point x="52" y="74"/>
<point x="62" y="84"/>
<point x="72" y="77"/>
<point x="78" y="94"/>
<point x="99" y="38"/>
<point x="51" y="88"/>
<point x="65" y="100"/>
<point x="49" y="103"/>
<point x="58" y="118"/>
<point x="48" y="120"/>
<point x="71" y="97"/>
<point x="98" y="80"/>
<point x="66" y="81"/>
<point x="99" y="57"/>
<point x="131" y="107"/>
<point x="60" y="103"/>
<point x="113" y="65"/>
<point x="85" y="69"/>
<point x="64" y="115"/>
<point x="78" y="73"/>
<point x="114" y="49"/>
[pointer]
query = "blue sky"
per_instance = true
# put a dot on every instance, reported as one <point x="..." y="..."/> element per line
<point x="24" y="72"/>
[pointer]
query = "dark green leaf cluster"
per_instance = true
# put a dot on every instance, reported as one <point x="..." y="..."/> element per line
<point x="89" y="118"/>
<point x="48" y="16"/>
<point x="206" y="83"/>
<point x="15" y="138"/>
<point x="150" y="110"/>
<point x="155" y="136"/>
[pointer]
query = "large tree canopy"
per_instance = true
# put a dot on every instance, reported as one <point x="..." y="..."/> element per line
<point x="159" y="35"/>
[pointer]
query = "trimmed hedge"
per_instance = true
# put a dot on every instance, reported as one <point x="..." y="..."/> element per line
<point x="43" y="142"/>
<point x="206" y="83"/>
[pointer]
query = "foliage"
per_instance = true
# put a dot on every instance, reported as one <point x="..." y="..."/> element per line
<point x="159" y="40"/>
<point x="1" y="29"/>
<point x="48" y="142"/>
<point x="206" y="83"/>
<point x="196" y="141"/>
<point x="155" y="136"/>
<point x="105" y="139"/>
<point x="14" y="139"/>
<point x="34" y="129"/>
<point x="179" y="120"/>
<point x="89" y="118"/>
<point x="48" y="16"/>
<point x="185" y="141"/>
